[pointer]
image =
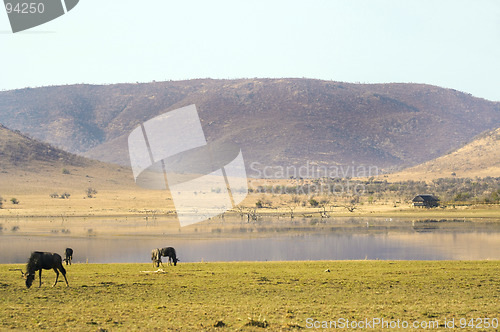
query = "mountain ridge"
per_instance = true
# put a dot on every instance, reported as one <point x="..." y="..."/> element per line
<point x="275" y="121"/>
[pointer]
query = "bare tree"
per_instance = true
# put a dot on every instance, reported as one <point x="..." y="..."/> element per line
<point x="352" y="204"/>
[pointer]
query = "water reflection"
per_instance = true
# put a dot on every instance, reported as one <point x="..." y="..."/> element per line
<point x="392" y="245"/>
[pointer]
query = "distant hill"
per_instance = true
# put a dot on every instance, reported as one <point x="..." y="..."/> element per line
<point x="275" y="121"/>
<point x="20" y="151"/>
<point x="480" y="158"/>
<point x="30" y="166"/>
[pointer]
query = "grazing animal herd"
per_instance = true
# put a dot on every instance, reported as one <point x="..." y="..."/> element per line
<point x="40" y="260"/>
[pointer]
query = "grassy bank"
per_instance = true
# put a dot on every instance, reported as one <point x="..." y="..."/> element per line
<point x="250" y="296"/>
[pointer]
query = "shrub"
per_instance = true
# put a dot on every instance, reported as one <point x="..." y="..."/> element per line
<point x="14" y="200"/>
<point x="65" y="171"/>
<point x="90" y="192"/>
<point x="313" y="202"/>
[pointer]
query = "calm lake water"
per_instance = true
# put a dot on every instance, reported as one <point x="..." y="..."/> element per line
<point x="359" y="239"/>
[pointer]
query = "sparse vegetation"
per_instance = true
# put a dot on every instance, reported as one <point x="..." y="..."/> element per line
<point x="64" y="195"/>
<point x="90" y="192"/>
<point x="449" y="190"/>
<point x="14" y="200"/>
<point x="65" y="171"/>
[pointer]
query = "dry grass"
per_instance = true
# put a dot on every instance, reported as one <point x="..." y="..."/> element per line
<point x="273" y="296"/>
<point x="118" y="195"/>
<point x="141" y="202"/>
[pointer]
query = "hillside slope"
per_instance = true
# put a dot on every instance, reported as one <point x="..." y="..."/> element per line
<point x="480" y="158"/>
<point x="20" y="151"/>
<point x="275" y="121"/>
<point x="30" y="166"/>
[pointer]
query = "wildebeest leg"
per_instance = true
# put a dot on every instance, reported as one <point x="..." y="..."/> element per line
<point x="64" y="275"/>
<point x="57" y="276"/>
<point x="40" y="278"/>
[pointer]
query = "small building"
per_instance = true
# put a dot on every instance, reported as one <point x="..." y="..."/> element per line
<point x="427" y="201"/>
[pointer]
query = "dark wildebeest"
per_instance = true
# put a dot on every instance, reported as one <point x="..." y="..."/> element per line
<point x="156" y="257"/>
<point x="69" y="256"/>
<point x="43" y="261"/>
<point x="170" y="253"/>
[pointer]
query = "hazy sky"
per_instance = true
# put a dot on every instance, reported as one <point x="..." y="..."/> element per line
<point x="449" y="43"/>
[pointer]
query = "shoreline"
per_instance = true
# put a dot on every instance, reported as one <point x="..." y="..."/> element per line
<point x="447" y="213"/>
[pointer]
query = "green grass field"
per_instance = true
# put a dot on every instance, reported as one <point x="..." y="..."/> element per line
<point x="250" y="295"/>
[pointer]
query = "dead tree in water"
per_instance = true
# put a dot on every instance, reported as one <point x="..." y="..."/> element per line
<point x="252" y="215"/>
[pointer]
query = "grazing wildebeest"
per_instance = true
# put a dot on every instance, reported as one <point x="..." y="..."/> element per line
<point x="156" y="257"/>
<point x="170" y="253"/>
<point x="43" y="261"/>
<point x="69" y="256"/>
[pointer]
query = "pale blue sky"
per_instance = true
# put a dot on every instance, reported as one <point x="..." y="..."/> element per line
<point x="449" y="43"/>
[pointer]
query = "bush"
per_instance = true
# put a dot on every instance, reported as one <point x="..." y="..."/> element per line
<point x="14" y="200"/>
<point x="90" y="192"/>
<point x="65" y="171"/>
<point x="313" y="202"/>
<point x="460" y="197"/>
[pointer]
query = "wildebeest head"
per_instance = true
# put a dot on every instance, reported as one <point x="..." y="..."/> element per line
<point x="31" y="268"/>
<point x="29" y="279"/>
